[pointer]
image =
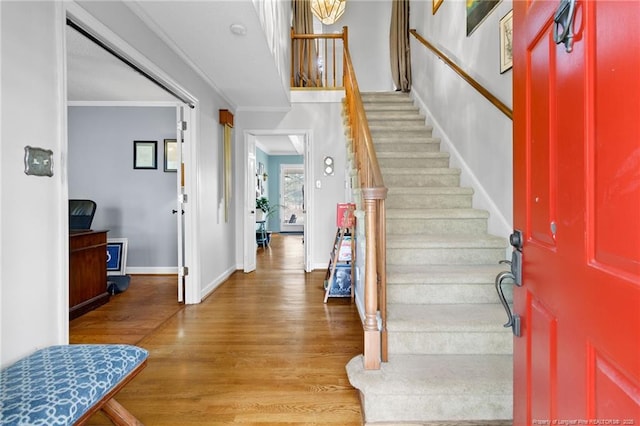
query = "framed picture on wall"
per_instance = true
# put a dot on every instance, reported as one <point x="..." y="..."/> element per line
<point x="477" y="11"/>
<point x="506" y="37"/>
<point x="170" y="155"/>
<point x="145" y="154"/>
<point x="117" y="256"/>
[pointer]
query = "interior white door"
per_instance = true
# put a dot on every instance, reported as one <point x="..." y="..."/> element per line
<point x="180" y="201"/>
<point x="250" y="207"/>
<point x="307" y="207"/>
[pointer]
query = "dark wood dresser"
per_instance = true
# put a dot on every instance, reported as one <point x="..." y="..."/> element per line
<point x="87" y="271"/>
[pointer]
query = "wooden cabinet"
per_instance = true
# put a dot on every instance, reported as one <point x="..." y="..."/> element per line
<point x="87" y="271"/>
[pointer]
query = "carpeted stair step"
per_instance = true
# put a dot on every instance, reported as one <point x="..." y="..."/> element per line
<point x="421" y="177"/>
<point x="443" y="284"/>
<point x="429" y="197"/>
<point x="431" y="388"/>
<point x="400" y="129"/>
<point x="394" y="118"/>
<point x="444" y="249"/>
<point x="407" y="107"/>
<point x="436" y="221"/>
<point x="448" y="329"/>
<point x="388" y="159"/>
<point x="386" y="97"/>
<point x="391" y="143"/>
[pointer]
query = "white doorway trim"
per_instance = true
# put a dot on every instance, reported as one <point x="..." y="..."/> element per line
<point x="191" y="137"/>
<point x="248" y="239"/>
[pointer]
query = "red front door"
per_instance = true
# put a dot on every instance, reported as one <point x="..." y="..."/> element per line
<point x="577" y="203"/>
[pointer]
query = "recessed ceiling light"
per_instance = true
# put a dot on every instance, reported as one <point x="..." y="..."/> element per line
<point x="238" y="29"/>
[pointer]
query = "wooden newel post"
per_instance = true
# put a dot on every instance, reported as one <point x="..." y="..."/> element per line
<point x="372" y="348"/>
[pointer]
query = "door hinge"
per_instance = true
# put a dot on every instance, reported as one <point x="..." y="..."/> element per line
<point x="183" y="271"/>
<point x="182" y="125"/>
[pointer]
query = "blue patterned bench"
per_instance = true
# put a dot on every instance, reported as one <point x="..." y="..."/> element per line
<point x="65" y="385"/>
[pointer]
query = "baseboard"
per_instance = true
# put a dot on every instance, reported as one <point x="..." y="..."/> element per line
<point x="210" y="288"/>
<point x="152" y="270"/>
<point x="320" y="266"/>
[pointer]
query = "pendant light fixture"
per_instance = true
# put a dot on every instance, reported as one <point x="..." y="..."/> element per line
<point x="328" y="11"/>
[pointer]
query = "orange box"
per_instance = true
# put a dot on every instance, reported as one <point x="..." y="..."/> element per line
<point x="345" y="217"/>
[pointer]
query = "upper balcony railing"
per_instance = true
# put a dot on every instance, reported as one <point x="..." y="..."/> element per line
<point x="317" y="63"/>
<point x="316" y="60"/>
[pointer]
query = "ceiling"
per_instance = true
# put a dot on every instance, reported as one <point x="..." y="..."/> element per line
<point x="228" y="63"/>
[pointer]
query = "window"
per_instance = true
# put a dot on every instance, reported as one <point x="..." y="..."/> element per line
<point x="292" y="197"/>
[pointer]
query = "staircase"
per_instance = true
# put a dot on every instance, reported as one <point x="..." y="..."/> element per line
<point x="449" y="356"/>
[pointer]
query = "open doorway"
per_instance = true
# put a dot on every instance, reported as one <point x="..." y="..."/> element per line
<point x="271" y="158"/>
<point x="98" y="78"/>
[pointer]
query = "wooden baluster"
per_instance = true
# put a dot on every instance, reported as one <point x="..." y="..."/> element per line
<point x="293" y="69"/>
<point x="333" y="57"/>
<point x="382" y="276"/>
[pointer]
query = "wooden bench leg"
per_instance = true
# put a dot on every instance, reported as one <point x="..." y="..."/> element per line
<point x="119" y="415"/>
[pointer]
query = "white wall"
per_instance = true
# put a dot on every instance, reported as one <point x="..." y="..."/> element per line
<point x="476" y="133"/>
<point x="33" y="239"/>
<point x="33" y="222"/>
<point x="322" y="118"/>
<point x="215" y="238"/>
<point x="368" y="22"/>
<point x="275" y="17"/>
<point x="131" y="203"/>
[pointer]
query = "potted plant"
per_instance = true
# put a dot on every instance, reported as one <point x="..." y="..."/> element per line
<point x="263" y="209"/>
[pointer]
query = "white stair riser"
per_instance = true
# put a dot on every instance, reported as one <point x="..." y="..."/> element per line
<point x="450" y="342"/>
<point x="375" y="117"/>
<point x="428" y="201"/>
<point x="399" y="128"/>
<point x="447" y="407"/>
<point x="382" y="99"/>
<point x="420" y="145"/>
<point x="414" y="162"/>
<point x="406" y="108"/>
<point x="432" y="226"/>
<point x="440" y="293"/>
<point x="443" y="256"/>
<point x="422" y="180"/>
<point x="400" y="132"/>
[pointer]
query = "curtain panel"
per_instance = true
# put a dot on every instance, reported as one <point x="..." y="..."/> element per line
<point x="399" y="45"/>
<point x="305" y="53"/>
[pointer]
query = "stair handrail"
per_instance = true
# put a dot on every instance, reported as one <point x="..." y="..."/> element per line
<point x="372" y="188"/>
<point x="373" y="193"/>
<point x="466" y="77"/>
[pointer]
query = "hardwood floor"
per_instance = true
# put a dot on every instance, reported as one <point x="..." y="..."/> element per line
<point x="262" y="349"/>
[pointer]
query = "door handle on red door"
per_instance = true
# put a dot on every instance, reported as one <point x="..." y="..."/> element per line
<point x="513" y="319"/>
<point x="515" y="274"/>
